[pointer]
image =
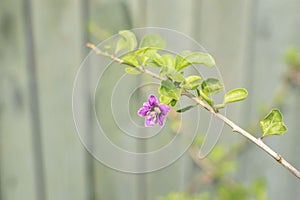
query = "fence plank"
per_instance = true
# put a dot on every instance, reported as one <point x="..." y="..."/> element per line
<point x="34" y="104"/>
<point x="175" y="16"/>
<point x="272" y="34"/>
<point x="59" y="44"/>
<point x="107" y="18"/>
<point x="17" y="160"/>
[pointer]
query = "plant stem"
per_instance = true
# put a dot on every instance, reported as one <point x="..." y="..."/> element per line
<point x="235" y="127"/>
<point x="257" y="141"/>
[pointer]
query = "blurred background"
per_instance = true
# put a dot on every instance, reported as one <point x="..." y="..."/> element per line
<point x="42" y="44"/>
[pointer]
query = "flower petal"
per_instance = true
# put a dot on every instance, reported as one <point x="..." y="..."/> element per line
<point x="164" y="108"/>
<point x="161" y="119"/>
<point x="149" y="122"/>
<point x="143" y="111"/>
<point x="152" y="100"/>
<point x="146" y="105"/>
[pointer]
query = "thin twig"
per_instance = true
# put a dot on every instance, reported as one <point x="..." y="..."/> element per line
<point x="257" y="141"/>
<point x="235" y="127"/>
<point x="104" y="53"/>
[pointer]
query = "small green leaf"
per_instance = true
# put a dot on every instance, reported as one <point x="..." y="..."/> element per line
<point x="121" y="44"/>
<point x="164" y="99"/>
<point x="172" y="102"/>
<point x="156" y="58"/>
<point x="130" y="70"/>
<point x="177" y="77"/>
<point x="219" y="106"/>
<point x="143" y="50"/>
<point x="211" y="86"/>
<point x="130" y="59"/>
<point x="180" y="57"/>
<point x="149" y="56"/>
<point x="107" y="47"/>
<point x="164" y="71"/>
<point x="206" y="98"/>
<point x="272" y="124"/>
<point x="152" y="64"/>
<point x="130" y="39"/>
<point x="168" y="89"/>
<point x="237" y="94"/>
<point x="198" y="92"/>
<point x="168" y="60"/>
<point x="191" y="86"/>
<point x="167" y="100"/>
<point x="190" y="82"/>
<point x="168" y="64"/>
<point x="292" y="57"/>
<point x="187" y="58"/>
<point x="201" y="58"/>
<point x="153" y="40"/>
<point x="259" y="189"/>
<point x="191" y="79"/>
<point x="181" y="110"/>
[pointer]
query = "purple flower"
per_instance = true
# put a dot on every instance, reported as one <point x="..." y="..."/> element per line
<point x="153" y="111"/>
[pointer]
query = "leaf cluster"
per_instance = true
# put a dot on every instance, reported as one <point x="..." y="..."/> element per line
<point x="151" y="52"/>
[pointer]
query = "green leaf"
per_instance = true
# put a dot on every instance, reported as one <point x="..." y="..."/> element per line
<point x="121" y="44"/>
<point x="272" y="124"/>
<point x="131" y="59"/>
<point x="292" y="57"/>
<point x="237" y="94"/>
<point x="168" y="60"/>
<point x="187" y="58"/>
<point x="167" y="100"/>
<point x="142" y="51"/>
<point x="129" y="38"/>
<point x="211" y="86"/>
<point x="180" y="57"/>
<point x="177" y="77"/>
<point x="152" y="64"/>
<point x="190" y="82"/>
<point x="153" y="40"/>
<point x="164" y="71"/>
<point x="198" y="92"/>
<point x="219" y="106"/>
<point x="191" y="79"/>
<point x="164" y="99"/>
<point x="206" y="98"/>
<point x="130" y="70"/>
<point x="172" y="102"/>
<point x="168" y="64"/>
<point x="168" y="89"/>
<point x="191" y="86"/>
<point x="107" y="47"/>
<point x="156" y="59"/>
<point x="259" y="189"/>
<point x="181" y="110"/>
<point x="148" y="56"/>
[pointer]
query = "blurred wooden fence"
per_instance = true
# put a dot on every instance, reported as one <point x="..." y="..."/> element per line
<point x="42" y="44"/>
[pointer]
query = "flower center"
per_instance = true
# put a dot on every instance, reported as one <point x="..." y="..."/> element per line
<point x="154" y="113"/>
<point x="157" y="110"/>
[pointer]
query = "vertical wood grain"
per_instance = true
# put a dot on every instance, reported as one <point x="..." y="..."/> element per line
<point x="274" y="27"/>
<point x="87" y="95"/>
<point x="17" y="160"/>
<point x="34" y="104"/>
<point x="57" y="29"/>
